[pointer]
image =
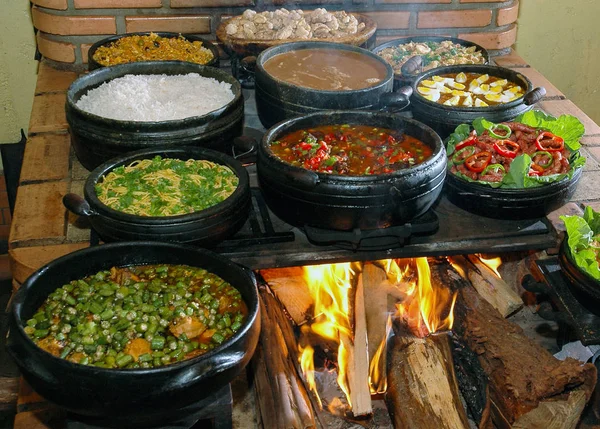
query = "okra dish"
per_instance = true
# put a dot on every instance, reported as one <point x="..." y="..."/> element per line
<point x="530" y="151"/>
<point x="138" y="317"/>
<point x="353" y="150"/>
<point x="166" y="187"/>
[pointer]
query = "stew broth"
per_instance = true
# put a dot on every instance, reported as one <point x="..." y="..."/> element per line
<point x="327" y="69"/>
<point x="353" y="150"/>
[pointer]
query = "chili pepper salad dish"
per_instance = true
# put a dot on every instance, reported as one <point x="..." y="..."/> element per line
<point x="533" y="150"/>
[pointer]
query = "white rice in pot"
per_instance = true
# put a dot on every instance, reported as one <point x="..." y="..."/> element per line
<point x="153" y="98"/>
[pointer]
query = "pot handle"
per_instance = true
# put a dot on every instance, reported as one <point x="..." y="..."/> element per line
<point x="78" y="205"/>
<point x="303" y="178"/>
<point x="413" y="66"/>
<point x="244" y="149"/>
<point x="534" y="95"/>
<point x="397" y="100"/>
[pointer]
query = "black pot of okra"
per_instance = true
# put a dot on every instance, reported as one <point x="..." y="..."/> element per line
<point x="107" y="377"/>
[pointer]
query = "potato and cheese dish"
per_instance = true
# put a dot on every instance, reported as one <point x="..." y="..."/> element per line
<point x="469" y="90"/>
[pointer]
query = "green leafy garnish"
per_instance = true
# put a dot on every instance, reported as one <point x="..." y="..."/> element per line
<point x="583" y="236"/>
<point x="566" y="126"/>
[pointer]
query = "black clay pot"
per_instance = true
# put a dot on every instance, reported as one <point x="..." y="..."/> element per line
<point x="444" y="119"/>
<point x="93" y="64"/>
<point x="527" y="203"/>
<point x="204" y="228"/>
<point x="584" y="287"/>
<point x="332" y="201"/>
<point x="97" y="139"/>
<point x="130" y="397"/>
<point x="413" y="69"/>
<point x="277" y="100"/>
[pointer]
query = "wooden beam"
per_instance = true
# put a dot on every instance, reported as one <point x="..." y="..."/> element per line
<point x="291" y="290"/>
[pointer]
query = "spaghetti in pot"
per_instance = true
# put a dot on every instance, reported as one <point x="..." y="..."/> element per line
<point x="166" y="187"/>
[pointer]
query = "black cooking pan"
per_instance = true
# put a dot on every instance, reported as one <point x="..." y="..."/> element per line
<point x="129" y="397"/>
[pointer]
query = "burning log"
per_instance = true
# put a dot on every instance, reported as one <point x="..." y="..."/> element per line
<point x="422" y="388"/>
<point x="355" y="345"/>
<point x="291" y="290"/>
<point x="489" y="285"/>
<point x="281" y="394"/>
<point x="528" y="386"/>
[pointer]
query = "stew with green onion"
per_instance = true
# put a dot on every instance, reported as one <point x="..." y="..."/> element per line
<point x="353" y="150"/>
<point x="138" y="317"/>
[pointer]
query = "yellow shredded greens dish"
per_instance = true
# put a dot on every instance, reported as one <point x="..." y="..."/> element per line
<point x="166" y="187"/>
<point x="152" y="47"/>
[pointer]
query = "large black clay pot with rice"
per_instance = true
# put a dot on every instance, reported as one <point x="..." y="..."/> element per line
<point x="444" y="119"/>
<point x="205" y="228"/>
<point x="411" y="70"/>
<point x="97" y="139"/>
<point x="128" y="398"/>
<point x="342" y="202"/>
<point x="277" y="100"/>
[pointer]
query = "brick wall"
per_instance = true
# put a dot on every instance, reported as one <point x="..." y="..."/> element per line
<point x="67" y="28"/>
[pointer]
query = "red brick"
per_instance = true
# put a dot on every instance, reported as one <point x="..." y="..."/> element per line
<point x="3" y="199"/>
<point x="590" y="141"/>
<point x="508" y="15"/>
<point x="493" y="39"/>
<point x="2" y="183"/>
<point x="6" y="216"/>
<point x="413" y="1"/>
<point x="57" y="51"/>
<point x="53" y="80"/>
<point x="510" y="60"/>
<point x="51" y="4"/>
<point x="484" y="1"/>
<point x="454" y="18"/>
<point x="4" y="232"/>
<point x="85" y="47"/>
<point x="537" y="79"/>
<point x="180" y="24"/>
<point x="72" y="25"/>
<point x="116" y="4"/>
<point x="211" y="3"/>
<point x="389" y="20"/>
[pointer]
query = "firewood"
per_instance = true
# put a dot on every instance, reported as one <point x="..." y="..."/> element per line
<point x="422" y="388"/>
<point x="522" y="375"/>
<point x="491" y="287"/>
<point x="358" y="358"/>
<point x="291" y="290"/>
<point x="292" y="406"/>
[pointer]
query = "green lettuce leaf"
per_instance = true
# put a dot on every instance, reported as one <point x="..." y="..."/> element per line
<point x="581" y="232"/>
<point x="566" y="126"/>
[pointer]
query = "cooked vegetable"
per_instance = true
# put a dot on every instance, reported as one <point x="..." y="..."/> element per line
<point x="469" y="90"/>
<point x="166" y="187"/>
<point x="433" y="54"/>
<point x="583" y="239"/>
<point x="516" y="147"/>
<point x="350" y="149"/>
<point x="152" y="47"/>
<point x="478" y="161"/>
<point x="138" y="317"/>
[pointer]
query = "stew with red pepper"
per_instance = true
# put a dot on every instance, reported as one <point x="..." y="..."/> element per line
<point x="353" y="150"/>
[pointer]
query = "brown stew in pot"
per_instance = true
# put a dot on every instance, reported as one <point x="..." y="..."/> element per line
<point x="353" y="150"/>
<point x="326" y="69"/>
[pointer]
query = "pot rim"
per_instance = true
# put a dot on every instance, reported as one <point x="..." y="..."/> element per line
<point x="191" y="153"/>
<point x="418" y="39"/>
<point x="167" y="34"/>
<point x="124" y="69"/>
<point x="438" y="150"/>
<point x="17" y="299"/>
<point x="303" y="45"/>
<point x="567" y="257"/>
<point x="542" y="189"/>
<point x="476" y="68"/>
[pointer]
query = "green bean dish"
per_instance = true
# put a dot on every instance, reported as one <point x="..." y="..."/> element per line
<point x="166" y="187"/>
<point x="138" y="317"/>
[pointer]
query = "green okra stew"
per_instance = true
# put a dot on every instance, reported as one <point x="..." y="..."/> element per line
<point x="138" y="317"/>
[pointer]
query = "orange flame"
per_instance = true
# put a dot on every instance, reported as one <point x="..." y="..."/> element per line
<point x="308" y="369"/>
<point x="377" y="372"/>
<point x="432" y="303"/>
<point x="492" y="263"/>
<point x="329" y="286"/>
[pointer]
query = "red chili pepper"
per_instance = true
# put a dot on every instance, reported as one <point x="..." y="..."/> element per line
<point x="507" y="148"/>
<point x="549" y="142"/>
<point x="468" y="142"/>
<point x="477" y="162"/>
<point x="305" y="146"/>
<point x="535" y="170"/>
<point x="329" y="138"/>
<point x="391" y="139"/>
